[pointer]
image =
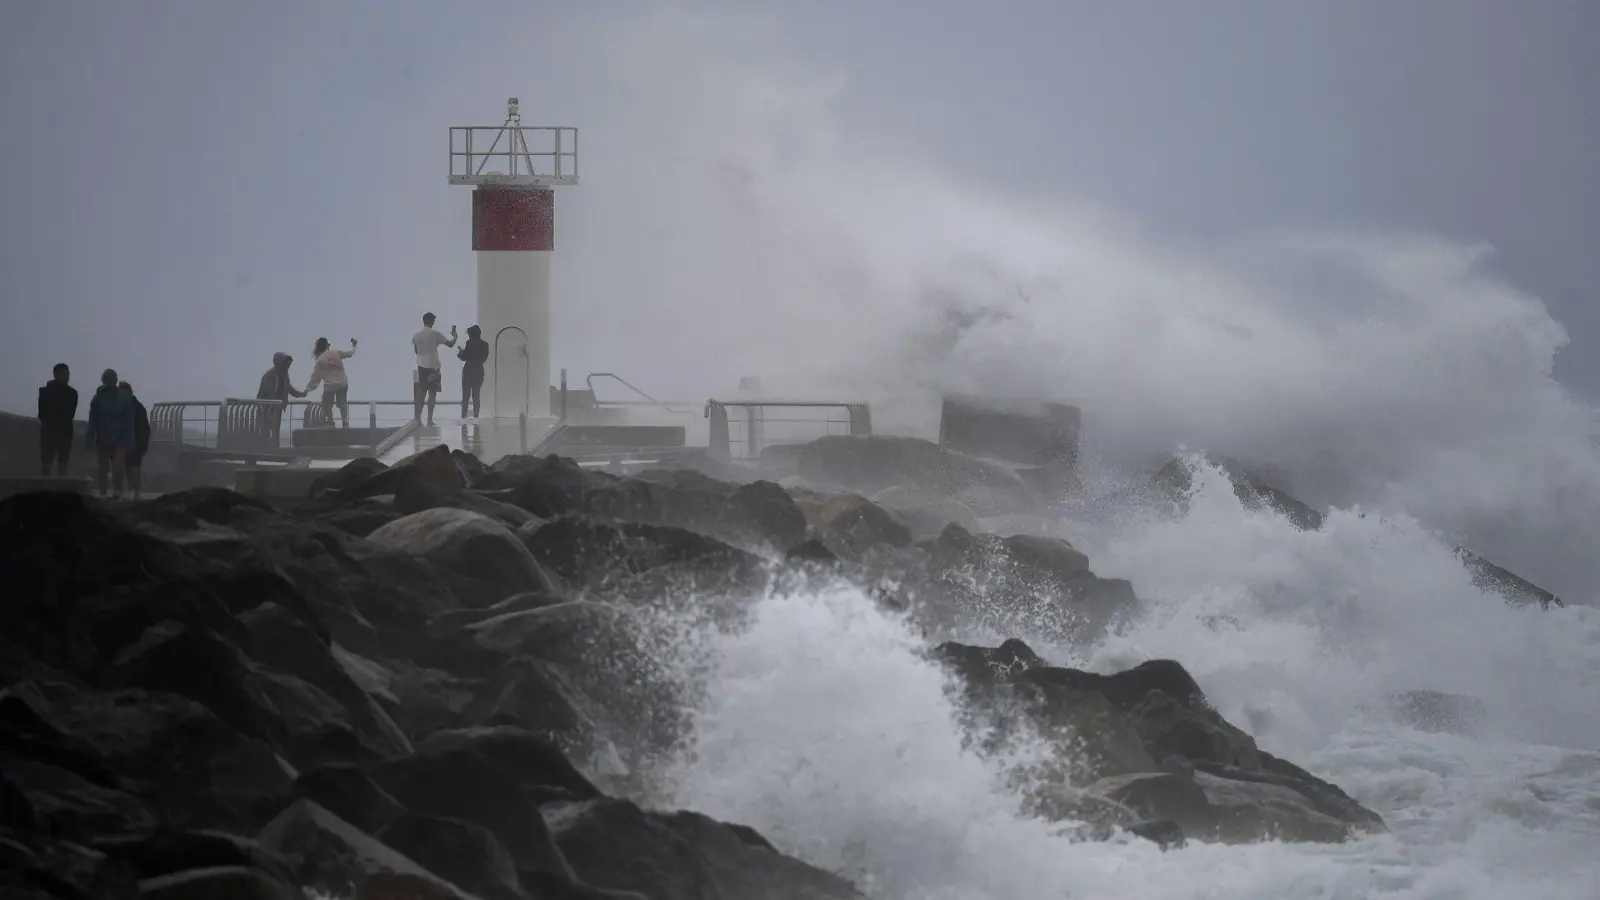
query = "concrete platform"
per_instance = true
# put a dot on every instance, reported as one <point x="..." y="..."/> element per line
<point x="30" y="484"/>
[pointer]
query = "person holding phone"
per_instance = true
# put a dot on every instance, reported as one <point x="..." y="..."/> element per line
<point x="429" y="379"/>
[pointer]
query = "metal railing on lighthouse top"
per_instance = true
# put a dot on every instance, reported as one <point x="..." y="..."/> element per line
<point x="513" y="153"/>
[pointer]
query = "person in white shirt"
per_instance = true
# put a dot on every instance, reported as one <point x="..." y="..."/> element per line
<point x="426" y="344"/>
<point x="327" y="369"/>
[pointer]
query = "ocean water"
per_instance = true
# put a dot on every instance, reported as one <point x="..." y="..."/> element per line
<point x="823" y="727"/>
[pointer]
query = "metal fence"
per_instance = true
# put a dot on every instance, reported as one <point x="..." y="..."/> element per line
<point x="262" y="425"/>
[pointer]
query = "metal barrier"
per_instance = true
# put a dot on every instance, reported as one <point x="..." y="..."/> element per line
<point x="755" y="422"/>
<point x="166" y="422"/>
<point x="249" y="424"/>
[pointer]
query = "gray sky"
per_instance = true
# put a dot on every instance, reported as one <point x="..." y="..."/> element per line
<point x="191" y="185"/>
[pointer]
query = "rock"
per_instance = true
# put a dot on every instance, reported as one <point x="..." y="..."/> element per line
<point x="33" y="866"/>
<point x="472" y="778"/>
<point x="434" y="467"/>
<point x="186" y="765"/>
<point x="1020" y="583"/>
<point x="614" y="844"/>
<point x="167" y="853"/>
<point x="298" y="720"/>
<point x="289" y="644"/>
<point x="484" y="556"/>
<point x="651" y="564"/>
<point x="330" y="855"/>
<point x="1438" y="712"/>
<point x="347" y="476"/>
<point x="349" y="792"/>
<point x="592" y="658"/>
<point x="763" y="512"/>
<point x="460" y="618"/>
<point x="463" y="852"/>
<point x="67" y="804"/>
<point x="925" y="512"/>
<point x="852" y="526"/>
<point x="240" y="882"/>
<point x="415" y="496"/>
<point x="1116" y="732"/>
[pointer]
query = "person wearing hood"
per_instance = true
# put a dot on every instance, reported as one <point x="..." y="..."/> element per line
<point x="275" y="385"/>
<point x="58" y="406"/>
<point x="111" y="432"/>
<point x="473" y="354"/>
<point x="141" y="442"/>
<point x="327" y="369"/>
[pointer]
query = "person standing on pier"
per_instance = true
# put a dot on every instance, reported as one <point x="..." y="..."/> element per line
<point x="58" y="406"/>
<point x="275" y="385"/>
<point x="429" y="377"/>
<point x="141" y="442"/>
<point x="473" y="355"/>
<point x="327" y="369"/>
<point x="111" y="432"/>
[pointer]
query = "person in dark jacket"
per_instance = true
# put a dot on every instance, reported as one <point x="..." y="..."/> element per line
<point x="473" y="354"/>
<point x="141" y="442"/>
<point x="275" y="385"/>
<point x="111" y="432"/>
<point x="58" y="406"/>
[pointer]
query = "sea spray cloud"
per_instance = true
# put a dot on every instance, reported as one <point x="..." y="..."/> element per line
<point x="735" y="219"/>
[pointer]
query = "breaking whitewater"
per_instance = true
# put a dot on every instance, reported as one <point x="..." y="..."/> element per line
<point x="824" y="724"/>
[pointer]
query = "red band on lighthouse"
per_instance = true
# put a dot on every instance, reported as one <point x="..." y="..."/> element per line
<point x="513" y="219"/>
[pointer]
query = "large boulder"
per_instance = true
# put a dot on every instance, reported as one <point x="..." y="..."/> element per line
<point x="435" y="467"/>
<point x="1018" y="583"/>
<point x="1147" y="740"/>
<point x="487" y="559"/>
<point x="925" y="512"/>
<point x="678" y="856"/>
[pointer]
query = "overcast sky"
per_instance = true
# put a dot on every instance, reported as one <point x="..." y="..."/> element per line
<point x="190" y="185"/>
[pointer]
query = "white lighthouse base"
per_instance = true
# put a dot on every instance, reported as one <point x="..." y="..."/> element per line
<point x="514" y="313"/>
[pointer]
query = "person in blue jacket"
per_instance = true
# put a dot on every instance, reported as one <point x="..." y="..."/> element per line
<point x="111" y="432"/>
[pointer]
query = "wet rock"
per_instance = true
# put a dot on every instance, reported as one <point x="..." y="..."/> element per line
<point x="185" y="764"/>
<point x="330" y="855"/>
<point x="924" y="512"/>
<point x="643" y="562"/>
<point x="1019" y="583"/>
<point x="168" y="853"/>
<point x="852" y="526"/>
<point x="486" y="558"/>
<point x="465" y="853"/>
<point x="614" y="844"/>
<point x="1116" y="733"/>
<point x="294" y="717"/>
<point x="347" y="476"/>
<point x="234" y="882"/>
<point x="431" y="468"/>
<point x="476" y="777"/>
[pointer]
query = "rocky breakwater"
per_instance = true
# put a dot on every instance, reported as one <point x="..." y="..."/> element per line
<point x="446" y="680"/>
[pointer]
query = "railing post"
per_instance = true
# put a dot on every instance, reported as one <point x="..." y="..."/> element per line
<point x="522" y="427"/>
<point x="372" y="424"/>
<point x="563" y="395"/>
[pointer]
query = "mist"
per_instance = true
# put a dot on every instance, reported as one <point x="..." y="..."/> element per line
<point x="276" y="175"/>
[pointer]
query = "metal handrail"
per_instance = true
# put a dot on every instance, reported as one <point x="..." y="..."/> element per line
<point x="625" y="383"/>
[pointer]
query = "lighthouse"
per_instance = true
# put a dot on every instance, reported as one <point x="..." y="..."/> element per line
<point x="514" y="170"/>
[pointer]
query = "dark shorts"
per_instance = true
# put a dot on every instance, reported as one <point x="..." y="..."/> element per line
<point x="55" y="447"/>
<point x="429" y="379"/>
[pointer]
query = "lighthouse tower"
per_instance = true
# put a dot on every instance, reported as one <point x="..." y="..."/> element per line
<point x="514" y="169"/>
